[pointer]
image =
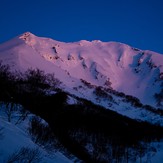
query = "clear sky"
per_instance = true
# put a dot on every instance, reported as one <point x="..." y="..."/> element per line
<point x="138" y="23"/>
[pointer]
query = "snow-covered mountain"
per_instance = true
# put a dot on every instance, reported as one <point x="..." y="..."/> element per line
<point x="118" y="77"/>
<point x="107" y="64"/>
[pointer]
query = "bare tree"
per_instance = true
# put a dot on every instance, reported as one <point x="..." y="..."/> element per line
<point x="41" y="134"/>
<point x="9" y="110"/>
<point x="23" y="114"/>
<point x="14" y="111"/>
<point x="25" y="155"/>
<point x="1" y="132"/>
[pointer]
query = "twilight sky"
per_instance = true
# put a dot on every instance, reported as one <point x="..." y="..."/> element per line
<point x="138" y="23"/>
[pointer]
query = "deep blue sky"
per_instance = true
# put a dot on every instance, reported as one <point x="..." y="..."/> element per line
<point x="138" y="23"/>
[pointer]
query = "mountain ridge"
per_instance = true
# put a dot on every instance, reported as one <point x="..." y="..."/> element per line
<point x="129" y="70"/>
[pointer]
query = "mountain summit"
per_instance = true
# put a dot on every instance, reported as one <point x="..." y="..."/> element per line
<point x="107" y="64"/>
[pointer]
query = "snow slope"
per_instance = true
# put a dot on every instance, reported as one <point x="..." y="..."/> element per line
<point x="108" y="64"/>
<point x="15" y="137"/>
<point x="130" y="70"/>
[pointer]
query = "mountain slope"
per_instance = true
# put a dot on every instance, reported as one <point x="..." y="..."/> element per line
<point x="89" y="78"/>
<point x="14" y="137"/>
<point x="108" y="64"/>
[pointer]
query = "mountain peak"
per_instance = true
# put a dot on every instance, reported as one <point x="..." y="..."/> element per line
<point x="28" y="37"/>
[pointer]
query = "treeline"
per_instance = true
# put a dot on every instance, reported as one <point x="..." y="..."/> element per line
<point x="92" y="133"/>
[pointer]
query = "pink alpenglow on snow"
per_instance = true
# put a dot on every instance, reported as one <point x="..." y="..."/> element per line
<point x="108" y="64"/>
